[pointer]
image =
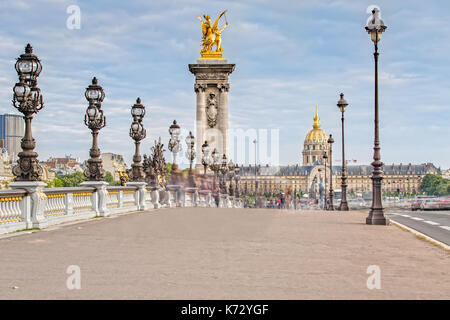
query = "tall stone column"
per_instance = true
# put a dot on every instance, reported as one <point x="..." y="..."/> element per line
<point x="223" y="124"/>
<point x="211" y="86"/>
<point x="200" y="89"/>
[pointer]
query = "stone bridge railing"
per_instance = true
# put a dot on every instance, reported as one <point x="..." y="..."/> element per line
<point x="25" y="209"/>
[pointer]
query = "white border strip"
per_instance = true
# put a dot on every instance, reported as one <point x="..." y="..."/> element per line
<point x="421" y="235"/>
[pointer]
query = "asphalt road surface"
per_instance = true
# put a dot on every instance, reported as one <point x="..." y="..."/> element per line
<point x="435" y="224"/>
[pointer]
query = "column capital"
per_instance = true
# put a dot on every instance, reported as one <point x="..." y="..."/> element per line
<point x="198" y="87"/>
<point x="223" y="87"/>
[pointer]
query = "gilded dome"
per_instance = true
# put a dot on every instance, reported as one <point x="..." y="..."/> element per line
<point x="316" y="135"/>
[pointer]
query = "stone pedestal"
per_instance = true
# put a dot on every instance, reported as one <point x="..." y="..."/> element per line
<point x="140" y="194"/>
<point x="155" y="196"/>
<point x="35" y="207"/>
<point x="205" y="198"/>
<point x="230" y="202"/>
<point x="174" y="195"/>
<point x="190" y="197"/>
<point x="223" y="200"/>
<point x="211" y="87"/>
<point x="99" y="197"/>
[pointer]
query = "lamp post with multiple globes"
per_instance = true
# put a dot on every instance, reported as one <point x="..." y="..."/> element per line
<point x="137" y="133"/>
<point x="28" y="100"/>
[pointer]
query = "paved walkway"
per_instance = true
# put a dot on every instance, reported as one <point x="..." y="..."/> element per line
<point x="223" y="254"/>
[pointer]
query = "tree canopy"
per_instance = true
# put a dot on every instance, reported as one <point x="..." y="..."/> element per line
<point x="435" y="185"/>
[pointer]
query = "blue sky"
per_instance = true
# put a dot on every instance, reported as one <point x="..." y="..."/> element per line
<point x="289" y="56"/>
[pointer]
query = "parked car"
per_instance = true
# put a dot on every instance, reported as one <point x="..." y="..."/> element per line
<point x="356" y="203"/>
<point x="416" y="205"/>
<point x="444" y="204"/>
<point x="430" y="204"/>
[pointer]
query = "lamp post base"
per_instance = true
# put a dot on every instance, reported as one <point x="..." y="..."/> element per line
<point x="377" y="217"/>
<point x="343" y="206"/>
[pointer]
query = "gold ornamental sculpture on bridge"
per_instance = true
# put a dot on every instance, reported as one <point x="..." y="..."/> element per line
<point x="212" y="37"/>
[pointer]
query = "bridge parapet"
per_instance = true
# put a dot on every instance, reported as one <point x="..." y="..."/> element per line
<point x="18" y="209"/>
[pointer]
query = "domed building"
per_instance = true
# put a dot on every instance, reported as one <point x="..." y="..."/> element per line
<point x="308" y="180"/>
<point x="315" y="144"/>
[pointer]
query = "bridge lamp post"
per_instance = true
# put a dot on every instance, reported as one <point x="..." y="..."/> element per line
<point x="223" y="171"/>
<point x="343" y="206"/>
<point x="231" y="176"/>
<point x="174" y="143"/>
<point x="236" y="181"/>
<point x="28" y="100"/>
<point x="190" y="154"/>
<point x="174" y="147"/>
<point x="206" y="160"/>
<point x="375" y="28"/>
<point x="95" y="121"/>
<point x="215" y="166"/>
<point x="331" y="205"/>
<point x="137" y="133"/>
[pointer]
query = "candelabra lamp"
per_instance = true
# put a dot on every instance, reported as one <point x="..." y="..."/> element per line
<point x="215" y="167"/>
<point x="28" y="100"/>
<point x="137" y="133"/>
<point x="231" y="176"/>
<point x="206" y="160"/>
<point x="95" y="121"/>
<point x="223" y="171"/>
<point x="190" y="154"/>
<point x="236" y="181"/>
<point x="174" y="147"/>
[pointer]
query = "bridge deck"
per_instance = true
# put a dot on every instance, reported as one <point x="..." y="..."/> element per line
<point x="223" y="253"/>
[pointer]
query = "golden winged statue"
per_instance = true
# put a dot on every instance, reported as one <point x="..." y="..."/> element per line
<point x="123" y="178"/>
<point x="211" y="37"/>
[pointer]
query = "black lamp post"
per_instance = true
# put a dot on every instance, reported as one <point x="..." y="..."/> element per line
<point x="223" y="171"/>
<point x="28" y="100"/>
<point x="231" y="176"/>
<point x="342" y="104"/>
<point x="174" y="147"/>
<point x="375" y="28"/>
<point x="206" y="160"/>
<point x="190" y="154"/>
<point x="330" y="142"/>
<point x="174" y="143"/>
<point x="236" y="181"/>
<point x="215" y="166"/>
<point x="94" y="120"/>
<point x="137" y="133"/>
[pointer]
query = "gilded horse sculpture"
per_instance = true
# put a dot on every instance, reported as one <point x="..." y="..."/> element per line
<point x="212" y="36"/>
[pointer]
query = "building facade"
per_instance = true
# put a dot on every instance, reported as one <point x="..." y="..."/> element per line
<point x="63" y="166"/>
<point x="112" y="162"/>
<point x="11" y="134"/>
<point x="309" y="178"/>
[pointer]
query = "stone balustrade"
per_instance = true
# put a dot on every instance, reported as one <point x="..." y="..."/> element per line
<point x="37" y="207"/>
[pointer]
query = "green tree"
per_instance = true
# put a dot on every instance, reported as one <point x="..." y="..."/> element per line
<point x="72" y="180"/>
<point x="433" y="184"/>
<point x="109" y="177"/>
<point x="168" y="167"/>
<point x="168" y="170"/>
<point x="55" y="183"/>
